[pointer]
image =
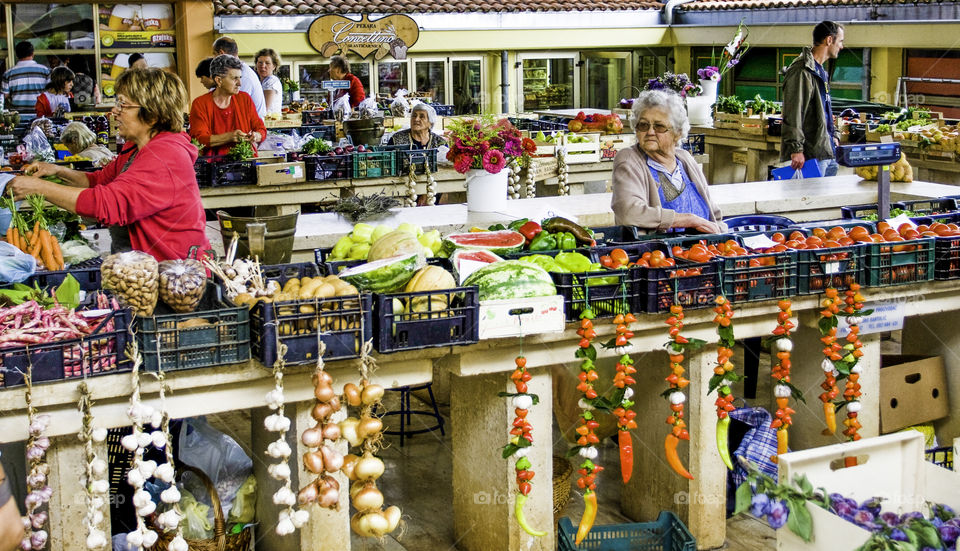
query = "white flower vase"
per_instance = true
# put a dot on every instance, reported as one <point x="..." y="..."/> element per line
<point x="486" y="192"/>
<point x="709" y="87"/>
<point x="699" y="110"/>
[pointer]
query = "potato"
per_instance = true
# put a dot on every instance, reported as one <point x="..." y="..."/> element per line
<point x="324" y="290"/>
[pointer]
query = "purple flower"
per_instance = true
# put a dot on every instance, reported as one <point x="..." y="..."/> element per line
<point x="911" y="515"/>
<point x="897" y="535"/>
<point x="494" y="161"/>
<point x="943" y="511"/>
<point x="949" y="534"/>
<point x="778" y="514"/>
<point x="844" y="509"/>
<point x="759" y="505"/>
<point x="732" y="62"/>
<point x="513" y="148"/>
<point x="937" y="523"/>
<point x="863" y="518"/>
<point x="872" y="505"/>
<point x="890" y="518"/>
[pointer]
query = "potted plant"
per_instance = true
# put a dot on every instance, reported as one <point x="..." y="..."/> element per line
<point x="291" y="89"/>
<point x="481" y="148"/>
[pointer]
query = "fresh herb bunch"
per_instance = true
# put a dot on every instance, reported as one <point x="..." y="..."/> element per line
<point x="730" y="104"/>
<point x="316" y="146"/>
<point x="761" y="105"/>
<point x="241" y="151"/>
<point x="360" y="207"/>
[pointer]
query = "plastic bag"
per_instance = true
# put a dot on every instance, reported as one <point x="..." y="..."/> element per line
<point x="38" y="147"/>
<point x="341" y="108"/>
<point x="76" y="251"/>
<point x="182" y="284"/>
<point x="400" y="107"/>
<point x="195" y="524"/>
<point x="244" y="508"/>
<point x="368" y="109"/>
<point x="279" y="143"/>
<point x="217" y="455"/>
<point x="15" y="265"/>
<point x="133" y="276"/>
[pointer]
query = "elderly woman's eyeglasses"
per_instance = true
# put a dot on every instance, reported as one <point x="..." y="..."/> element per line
<point x="644" y="126"/>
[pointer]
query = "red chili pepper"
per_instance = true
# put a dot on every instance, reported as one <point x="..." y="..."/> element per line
<point x="626" y="455"/>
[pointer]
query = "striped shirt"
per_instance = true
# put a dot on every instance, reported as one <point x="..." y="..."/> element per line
<point x="23" y="83"/>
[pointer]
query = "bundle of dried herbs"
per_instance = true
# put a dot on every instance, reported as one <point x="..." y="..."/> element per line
<point x="361" y="207"/>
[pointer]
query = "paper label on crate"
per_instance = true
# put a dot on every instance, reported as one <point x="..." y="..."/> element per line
<point x="886" y="316"/>
<point x="760" y="241"/>
<point x="901" y="219"/>
<point x="831" y="267"/>
<point x="545" y="315"/>
<point x="466" y="267"/>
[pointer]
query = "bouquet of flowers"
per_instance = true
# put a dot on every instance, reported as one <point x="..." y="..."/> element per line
<point x="485" y="143"/>
<point x="733" y="51"/>
<point x="678" y="82"/>
<point x="709" y="73"/>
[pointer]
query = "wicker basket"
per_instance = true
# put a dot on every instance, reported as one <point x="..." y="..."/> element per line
<point x="562" y="475"/>
<point x="221" y="541"/>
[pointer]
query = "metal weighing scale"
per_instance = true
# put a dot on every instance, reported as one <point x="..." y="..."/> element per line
<point x="880" y="154"/>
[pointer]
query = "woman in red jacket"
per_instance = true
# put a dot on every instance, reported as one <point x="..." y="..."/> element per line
<point x="225" y="116"/>
<point x="55" y="99"/>
<point x="148" y="194"/>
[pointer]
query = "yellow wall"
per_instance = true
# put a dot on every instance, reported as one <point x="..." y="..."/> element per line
<point x="194" y="41"/>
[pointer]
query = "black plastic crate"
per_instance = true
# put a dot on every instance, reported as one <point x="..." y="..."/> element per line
<point x="925" y="207"/>
<point x="374" y="164"/>
<point x="900" y="262"/>
<point x="450" y="317"/>
<point x="774" y="126"/>
<point x="855" y="212"/>
<point x="550" y="125"/>
<point x="667" y="533"/>
<point x="758" y="223"/>
<point x="615" y="234"/>
<point x="327" y="167"/>
<point x="342" y="323"/>
<point x="695" y="144"/>
<point x="224" y="339"/>
<point x="946" y="258"/>
<point x="219" y="171"/>
<point x="100" y="353"/>
<point x="87" y="274"/>
<point x="858" y="132"/>
<point x="941" y="457"/>
<point x="419" y="159"/>
<point x="309" y="118"/>
<point x="586" y="251"/>
<point x="837" y="267"/>
<point x="605" y="292"/>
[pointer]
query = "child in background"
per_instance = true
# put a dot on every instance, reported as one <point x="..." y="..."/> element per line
<point x="55" y="100"/>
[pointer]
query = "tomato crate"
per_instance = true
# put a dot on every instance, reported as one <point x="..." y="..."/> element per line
<point x="615" y="234"/>
<point x="428" y="319"/>
<point x="327" y="167"/>
<point x="899" y="263"/>
<point x="219" y="171"/>
<point x="855" y="212"/>
<point x="667" y="533"/>
<point x="342" y="323"/>
<point x="926" y="207"/>
<point x="216" y="333"/>
<point x="100" y="353"/>
<point x="837" y="267"/>
<point x="606" y="292"/>
<point x="374" y="164"/>
<point x="87" y="274"/>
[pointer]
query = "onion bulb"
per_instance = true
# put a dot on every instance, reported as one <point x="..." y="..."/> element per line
<point x="352" y="394"/>
<point x="329" y="492"/>
<point x="321" y="411"/>
<point x="371" y="394"/>
<point x="331" y="431"/>
<point x="371" y="525"/>
<point x="367" y="497"/>
<point x="369" y="427"/>
<point x="392" y="514"/>
<point x="312" y="438"/>
<point x="322" y="377"/>
<point x="334" y="404"/>
<point x="313" y="461"/>
<point x="348" y="429"/>
<point x="349" y="466"/>
<point x="332" y="460"/>
<point x="323" y="392"/>
<point x="307" y="494"/>
<point x="369" y="467"/>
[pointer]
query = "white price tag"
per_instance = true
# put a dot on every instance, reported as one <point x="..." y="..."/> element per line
<point x="831" y="267"/>
<point x="760" y="241"/>
<point x="886" y="316"/>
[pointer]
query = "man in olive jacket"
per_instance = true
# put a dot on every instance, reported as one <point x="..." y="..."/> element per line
<point x="808" y="128"/>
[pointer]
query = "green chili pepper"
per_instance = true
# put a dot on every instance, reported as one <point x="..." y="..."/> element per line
<point x="543" y="242"/>
<point x="723" y="446"/>
<point x="521" y="519"/>
<point x="497" y="227"/>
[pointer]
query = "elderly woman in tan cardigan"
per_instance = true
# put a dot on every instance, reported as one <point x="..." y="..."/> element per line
<point x="657" y="185"/>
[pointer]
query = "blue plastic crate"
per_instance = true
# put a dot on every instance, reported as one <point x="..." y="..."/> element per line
<point x="758" y="223"/>
<point x="941" y="457"/>
<point x="667" y="533"/>
<point x="854" y="212"/>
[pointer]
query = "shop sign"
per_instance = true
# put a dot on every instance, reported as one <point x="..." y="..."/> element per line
<point x="140" y="26"/>
<point x="391" y="35"/>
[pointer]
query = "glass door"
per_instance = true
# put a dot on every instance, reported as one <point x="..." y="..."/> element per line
<point x="392" y="76"/>
<point x="430" y="79"/>
<point x="466" y="81"/>
<point x="606" y="78"/>
<point x="548" y="81"/>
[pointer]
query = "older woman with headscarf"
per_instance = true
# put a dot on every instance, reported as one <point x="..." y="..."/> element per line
<point x="656" y="184"/>
<point x="419" y="136"/>
<point x="225" y="116"/>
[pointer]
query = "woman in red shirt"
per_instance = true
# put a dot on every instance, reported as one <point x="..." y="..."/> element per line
<point x="149" y="192"/>
<point x="225" y="116"/>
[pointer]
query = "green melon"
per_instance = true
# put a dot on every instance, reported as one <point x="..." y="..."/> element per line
<point x="511" y="279"/>
<point x="384" y="276"/>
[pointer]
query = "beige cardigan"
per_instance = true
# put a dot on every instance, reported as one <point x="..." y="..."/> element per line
<point x="636" y="201"/>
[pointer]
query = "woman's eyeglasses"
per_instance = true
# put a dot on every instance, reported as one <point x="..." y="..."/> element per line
<point x="121" y="105"/>
<point x="644" y="126"/>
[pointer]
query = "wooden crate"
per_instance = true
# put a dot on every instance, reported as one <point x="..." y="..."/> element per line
<point x="874" y="136"/>
<point x="583" y="152"/>
<point x="610" y="144"/>
<point x="544" y="149"/>
<point x="544" y="168"/>
<point x="747" y="124"/>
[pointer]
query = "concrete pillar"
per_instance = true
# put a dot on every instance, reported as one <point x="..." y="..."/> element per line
<point x="327" y="530"/>
<point x="67" y="460"/>
<point x="484" y="481"/>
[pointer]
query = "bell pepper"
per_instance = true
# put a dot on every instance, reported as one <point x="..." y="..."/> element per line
<point x="517" y="224"/>
<point x="530" y="230"/>
<point x="543" y="242"/>
<point x="544" y="261"/>
<point x="574" y="262"/>
<point x="568" y="241"/>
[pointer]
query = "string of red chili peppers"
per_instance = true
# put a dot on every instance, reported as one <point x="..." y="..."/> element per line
<point x="851" y="394"/>
<point x="587" y="437"/>
<point x="723" y="376"/>
<point x="622" y="381"/>
<point x="521" y="438"/>
<point x="675" y="348"/>
<point x="831" y="352"/>
<point x="784" y="389"/>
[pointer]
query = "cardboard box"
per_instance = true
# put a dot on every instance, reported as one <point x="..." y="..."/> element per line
<point x="275" y="174"/>
<point x="913" y="390"/>
<point x="545" y="316"/>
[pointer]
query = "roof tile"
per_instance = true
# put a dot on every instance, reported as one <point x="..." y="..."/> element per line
<point x="230" y="7"/>
<point x="705" y="5"/>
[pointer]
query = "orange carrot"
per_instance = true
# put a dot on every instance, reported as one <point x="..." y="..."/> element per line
<point x="10" y="235"/>
<point x="46" y="250"/>
<point x="57" y="253"/>
<point x="36" y="227"/>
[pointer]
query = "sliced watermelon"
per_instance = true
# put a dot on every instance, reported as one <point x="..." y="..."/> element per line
<point x="511" y="279"/>
<point x="497" y="242"/>
<point x="473" y="259"/>
<point x="384" y="276"/>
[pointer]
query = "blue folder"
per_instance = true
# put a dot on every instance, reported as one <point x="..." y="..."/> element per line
<point x="811" y="169"/>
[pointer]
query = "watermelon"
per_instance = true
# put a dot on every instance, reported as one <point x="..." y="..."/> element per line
<point x="497" y="242"/>
<point x="472" y="255"/>
<point x="511" y="279"/>
<point x="384" y="276"/>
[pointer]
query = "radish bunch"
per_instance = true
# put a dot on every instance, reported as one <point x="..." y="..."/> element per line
<point x="323" y="459"/>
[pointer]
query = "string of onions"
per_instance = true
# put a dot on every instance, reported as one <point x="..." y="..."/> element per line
<point x="370" y="520"/>
<point x="140" y="470"/>
<point x="322" y="459"/>
<point x="35" y="536"/>
<point x="288" y="520"/>
<point x="95" y="483"/>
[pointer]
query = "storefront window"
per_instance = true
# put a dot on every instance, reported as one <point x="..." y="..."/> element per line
<point x="759" y="72"/>
<point x="847" y="78"/>
<point x="430" y="80"/>
<point x="312" y="75"/>
<point x="607" y="79"/>
<point x="466" y="86"/>
<point x="54" y="26"/>
<point x="392" y="77"/>
<point x="547" y="83"/>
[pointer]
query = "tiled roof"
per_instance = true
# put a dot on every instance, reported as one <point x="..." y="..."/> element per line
<point x="298" y="7"/>
<point x="704" y="5"/>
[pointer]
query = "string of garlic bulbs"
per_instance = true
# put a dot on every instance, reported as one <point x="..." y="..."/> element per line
<point x="170" y="519"/>
<point x="140" y="414"/>
<point x="431" y="186"/>
<point x="95" y="482"/>
<point x="562" y="172"/>
<point x="288" y="520"/>
<point x="410" y="200"/>
<point x="34" y="535"/>
<point x="513" y="179"/>
<point x="531" y="185"/>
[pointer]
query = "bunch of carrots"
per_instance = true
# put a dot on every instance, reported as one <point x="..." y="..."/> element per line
<point x="37" y="240"/>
